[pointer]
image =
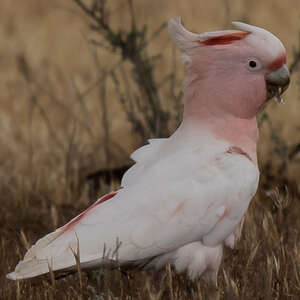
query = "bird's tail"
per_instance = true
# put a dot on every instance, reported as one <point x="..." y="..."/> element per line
<point x="57" y="250"/>
<point x="37" y="260"/>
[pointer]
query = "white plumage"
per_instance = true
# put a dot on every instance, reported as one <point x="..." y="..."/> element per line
<point x="186" y="196"/>
<point x="176" y="194"/>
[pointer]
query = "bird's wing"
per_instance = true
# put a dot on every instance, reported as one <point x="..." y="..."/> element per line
<point x="143" y="157"/>
<point x="176" y="203"/>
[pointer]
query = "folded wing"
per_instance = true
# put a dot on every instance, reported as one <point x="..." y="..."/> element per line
<point x="178" y="201"/>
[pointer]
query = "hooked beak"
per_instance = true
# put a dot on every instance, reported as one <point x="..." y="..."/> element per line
<point x="277" y="82"/>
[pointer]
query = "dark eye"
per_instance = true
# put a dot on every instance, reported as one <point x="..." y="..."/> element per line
<point x="252" y="64"/>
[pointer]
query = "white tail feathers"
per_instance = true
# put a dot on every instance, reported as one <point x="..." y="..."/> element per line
<point x="29" y="268"/>
<point x="36" y="261"/>
<point x="42" y="244"/>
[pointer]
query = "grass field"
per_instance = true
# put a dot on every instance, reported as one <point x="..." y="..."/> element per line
<point x="49" y="135"/>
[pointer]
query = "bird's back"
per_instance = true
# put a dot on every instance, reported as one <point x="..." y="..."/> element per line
<point x="168" y="199"/>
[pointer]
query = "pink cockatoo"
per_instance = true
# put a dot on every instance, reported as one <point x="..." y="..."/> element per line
<point x="186" y="195"/>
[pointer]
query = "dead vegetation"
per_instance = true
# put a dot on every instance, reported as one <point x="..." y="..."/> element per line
<point x="264" y="264"/>
<point x="45" y="161"/>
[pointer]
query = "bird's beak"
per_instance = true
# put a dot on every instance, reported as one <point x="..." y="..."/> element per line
<point x="277" y="82"/>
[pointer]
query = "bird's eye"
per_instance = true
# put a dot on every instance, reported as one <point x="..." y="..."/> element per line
<point x="252" y="64"/>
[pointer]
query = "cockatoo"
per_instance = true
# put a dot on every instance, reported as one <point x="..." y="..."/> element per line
<point x="186" y="195"/>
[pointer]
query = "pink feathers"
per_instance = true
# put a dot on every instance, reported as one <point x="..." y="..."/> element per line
<point x="225" y="39"/>
<point x="223" y="93"/>
<point x="237" y="150"/>
<point x="80" y="216"/>
<point x="277" y="63"/>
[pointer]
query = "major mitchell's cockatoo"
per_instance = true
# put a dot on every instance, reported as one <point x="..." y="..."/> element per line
<point x="186" y="195"/>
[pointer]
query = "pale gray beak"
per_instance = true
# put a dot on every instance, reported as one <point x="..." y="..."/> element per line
<point x="277" y="82"/>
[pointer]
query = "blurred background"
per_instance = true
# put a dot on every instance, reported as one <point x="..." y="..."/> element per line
<point x="84" y="83"/>
<point x="58" y="99"/>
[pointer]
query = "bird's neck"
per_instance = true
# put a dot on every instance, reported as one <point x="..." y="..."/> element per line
<point x="242" y="133"/>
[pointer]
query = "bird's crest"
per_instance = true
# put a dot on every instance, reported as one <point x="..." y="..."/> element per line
<point x="186" y="39"/>
<point x="225" y="39"/>
<point x="255" y="36"/>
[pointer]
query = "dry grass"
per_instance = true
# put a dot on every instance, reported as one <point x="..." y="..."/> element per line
<point x="48" y="134"/>
<point x="264" y="264"/>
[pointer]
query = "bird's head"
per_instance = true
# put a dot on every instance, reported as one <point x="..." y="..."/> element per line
<point x="236" y="71"/>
